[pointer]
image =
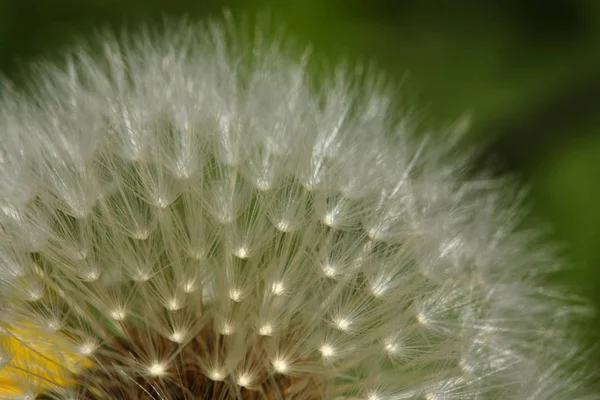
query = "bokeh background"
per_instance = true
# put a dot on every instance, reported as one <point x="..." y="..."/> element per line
<point x="527" y="72"/>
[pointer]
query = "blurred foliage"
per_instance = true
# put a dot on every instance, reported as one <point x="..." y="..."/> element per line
<point x="527" y="71"/>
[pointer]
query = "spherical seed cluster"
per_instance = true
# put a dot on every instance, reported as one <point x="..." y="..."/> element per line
<point x="197" y="219"/>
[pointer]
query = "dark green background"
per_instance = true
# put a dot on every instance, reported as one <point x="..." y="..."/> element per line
<point x="526" y="71"/>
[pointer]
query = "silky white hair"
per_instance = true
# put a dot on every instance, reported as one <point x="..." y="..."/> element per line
<point x="197" y="180"/>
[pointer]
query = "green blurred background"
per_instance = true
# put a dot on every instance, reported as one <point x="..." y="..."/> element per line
<point x="526" y="71"/>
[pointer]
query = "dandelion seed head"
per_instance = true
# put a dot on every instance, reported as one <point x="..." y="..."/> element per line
<point x="189" y="211"/>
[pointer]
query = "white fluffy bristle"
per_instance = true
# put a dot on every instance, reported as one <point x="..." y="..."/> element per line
<point x="195" y="198"/>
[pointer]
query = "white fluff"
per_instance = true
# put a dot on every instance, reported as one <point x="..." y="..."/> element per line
<point x="189" y="179"/>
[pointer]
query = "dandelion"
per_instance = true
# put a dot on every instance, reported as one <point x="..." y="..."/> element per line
<point x="188" y="215"/>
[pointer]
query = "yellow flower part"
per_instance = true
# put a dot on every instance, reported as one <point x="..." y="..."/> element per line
<point x="33" y="360"/>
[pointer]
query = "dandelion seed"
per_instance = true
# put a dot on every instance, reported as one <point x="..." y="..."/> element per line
<point x="88" y="348"/>
<point x="217" y="375"/>
<point x="329" y="219"/>
<point x="34" y="294"/>
<point x="162" y="203"/>
<point x="266" y="330"/>
<point x="118" y="314"/>
<point x="53" y="324"/>
<point x="140" y="234"/>
<point x="226" y="329"/>
<point x="330" y="271"/>
<point x="277" y="288"/>
<point x="242" y="252"/>
<point x="280" y="365"/>
<point x="91" y="275"/>
<point x="342" y="324"/>
<point x="244" y="379"/>
<point x="391" y="348"/>
<point x="373" y="396"/>
<point x="189" y="287"/>
<point x="235" y="295"/>
<point x="466" y="367"/>
<point x="157" y="369"/>
<point x="326" y="351"/>
<point x="283" y="226"/>
<point x="197" y="254"/>
<point x="141" y="276"/>
<point x="174" y="305"/>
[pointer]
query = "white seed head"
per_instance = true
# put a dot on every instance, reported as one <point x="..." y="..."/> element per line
<point x="191" y="203"/>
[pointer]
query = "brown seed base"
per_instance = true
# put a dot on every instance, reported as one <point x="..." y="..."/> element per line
<point x="119" y="373"/>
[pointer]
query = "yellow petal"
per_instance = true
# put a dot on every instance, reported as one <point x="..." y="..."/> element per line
<point x="38" y="361"/>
